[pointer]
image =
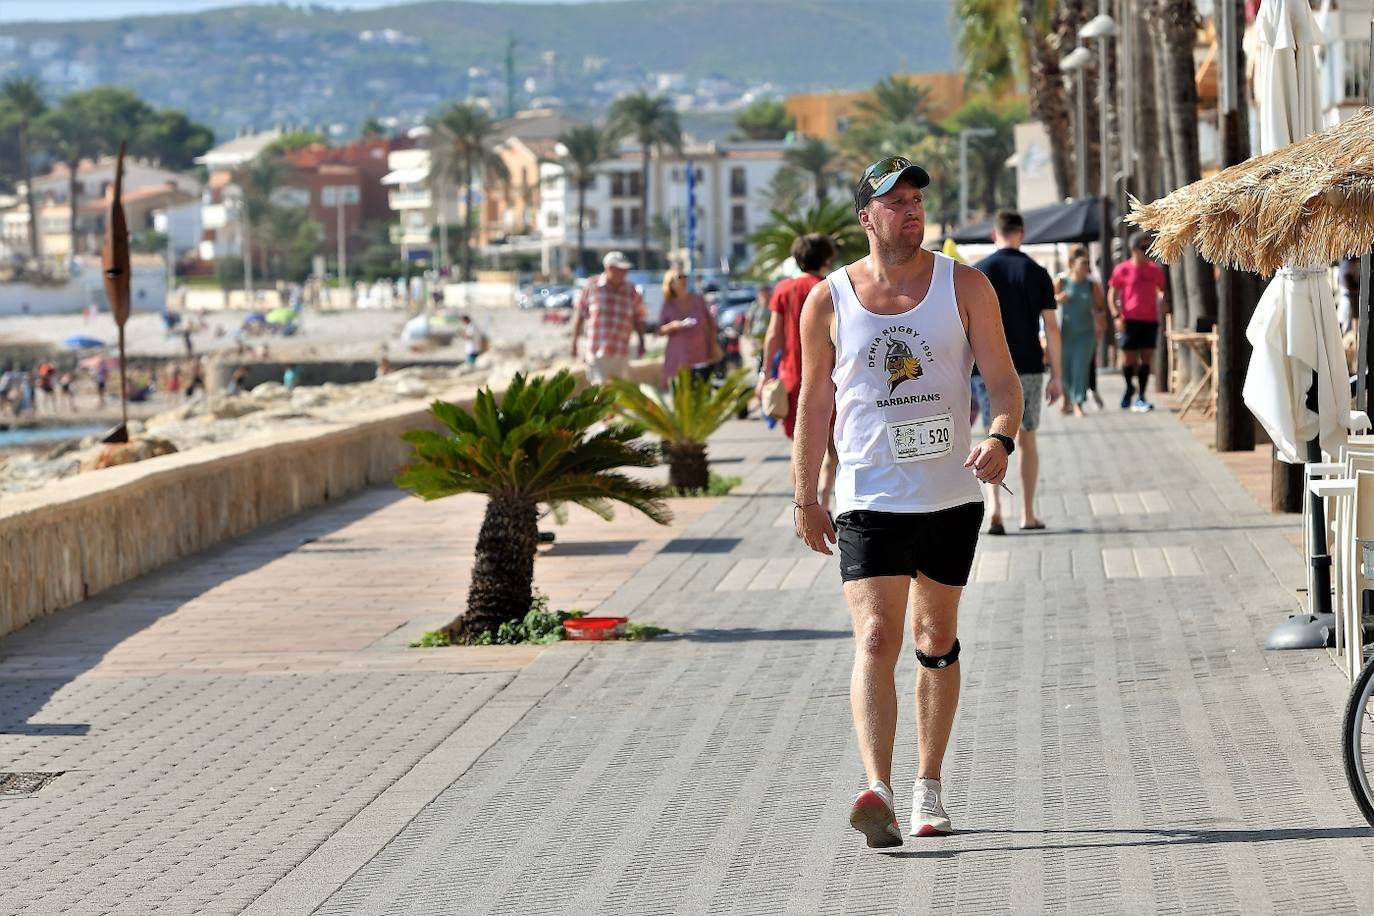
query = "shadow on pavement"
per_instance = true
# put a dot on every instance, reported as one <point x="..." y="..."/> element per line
<point x="1151" y="837"/>
<point x="75" y="639"/>
<point x="700" y="545"/>
<point x="750" y="634"/>
<point x="590" y="548"/>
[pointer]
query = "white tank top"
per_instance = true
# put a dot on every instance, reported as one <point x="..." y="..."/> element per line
<point x="902" y="401"/>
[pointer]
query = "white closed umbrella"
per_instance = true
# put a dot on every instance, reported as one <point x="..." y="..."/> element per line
<point x="1294" y="331"/>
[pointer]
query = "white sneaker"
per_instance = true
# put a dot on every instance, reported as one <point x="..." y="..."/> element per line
<point x="928" y="817"/>
<point x="874" y="816"/>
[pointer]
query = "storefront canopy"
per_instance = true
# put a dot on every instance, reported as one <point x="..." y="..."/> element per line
<point x="1071" y="221"/>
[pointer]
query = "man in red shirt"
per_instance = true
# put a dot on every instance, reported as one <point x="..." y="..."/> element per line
<point x="813" y="254"/>
<point x="1136" y="298"/>
<point x="611" y="310"/>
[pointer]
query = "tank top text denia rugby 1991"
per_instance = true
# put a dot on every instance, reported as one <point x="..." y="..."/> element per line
<point x="902" y="401"/>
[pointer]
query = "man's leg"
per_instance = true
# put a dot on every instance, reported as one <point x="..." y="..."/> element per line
<point x="934" y="626"/>
<point x="877" y="607"/>
<point x="1029" y="454"/>
<point x="1128" y="371"/>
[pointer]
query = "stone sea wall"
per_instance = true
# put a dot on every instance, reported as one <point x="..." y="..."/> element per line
<point x="79" y="536"/>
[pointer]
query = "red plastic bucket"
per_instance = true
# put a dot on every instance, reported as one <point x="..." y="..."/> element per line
<point x="594" y="627"/>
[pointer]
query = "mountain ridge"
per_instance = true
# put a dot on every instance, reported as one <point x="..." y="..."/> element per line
<point x="256" y="66"/>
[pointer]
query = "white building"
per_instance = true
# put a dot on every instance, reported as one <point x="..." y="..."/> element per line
<point x="420" y="209"/>
<point x="729" y="179"/>
<point x="1345" y="67"/>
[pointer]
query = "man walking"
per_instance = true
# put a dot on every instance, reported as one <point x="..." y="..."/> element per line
<point x="611" y="309"/>
<point x="1025" y="294"/>
<point x="888" y="344"/>
<point x="1135" y="299"/>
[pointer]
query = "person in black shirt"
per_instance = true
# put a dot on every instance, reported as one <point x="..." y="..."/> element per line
<point x="1025" y="293"/>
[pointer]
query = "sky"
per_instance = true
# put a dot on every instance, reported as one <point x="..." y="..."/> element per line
<point x="67" y="10"/>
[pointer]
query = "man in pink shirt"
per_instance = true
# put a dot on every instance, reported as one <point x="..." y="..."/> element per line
<point x="1136" y="299"/>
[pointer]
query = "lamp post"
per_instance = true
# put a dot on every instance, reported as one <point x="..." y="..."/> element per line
<point x="1074" y="62"/>
<point x="339" y="232"/>
<point x="1102" y="28"/>
<point x="963" y="166"/>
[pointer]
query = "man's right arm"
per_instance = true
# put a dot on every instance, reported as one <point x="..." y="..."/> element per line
<point x="815" y="406"/>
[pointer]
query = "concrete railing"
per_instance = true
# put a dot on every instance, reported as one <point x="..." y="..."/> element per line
<point x="76" y="537"/>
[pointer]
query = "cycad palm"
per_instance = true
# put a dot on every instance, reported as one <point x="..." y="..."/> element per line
<point x="654" y="124"/>
<point x="26" y="98"/>
<point x="818" y="159"/>
<point x="992" y="45"/>
<point x="684" y="419"/>
<point x="461" y="147"/>
<point x="897" y="100"/>
<point x="534" y="446"/>
<point x="584" y="148"/>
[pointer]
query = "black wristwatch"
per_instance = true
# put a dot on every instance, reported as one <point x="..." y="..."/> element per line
<point x="1007" y="442"/>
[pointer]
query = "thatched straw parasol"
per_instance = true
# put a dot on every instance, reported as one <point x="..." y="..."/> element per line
<point x="1307" y="204"/>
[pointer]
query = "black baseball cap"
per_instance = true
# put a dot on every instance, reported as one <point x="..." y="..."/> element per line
<point x="883" y="175"/>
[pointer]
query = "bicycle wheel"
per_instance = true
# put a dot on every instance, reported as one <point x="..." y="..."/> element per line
<point x="1357" y="741"/>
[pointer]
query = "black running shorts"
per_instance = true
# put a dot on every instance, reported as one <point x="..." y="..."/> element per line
<point x="935" y="544"/>
<point x="1139" y="335"/>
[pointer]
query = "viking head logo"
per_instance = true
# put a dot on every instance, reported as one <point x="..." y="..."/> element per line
<point x="901" y="365"/>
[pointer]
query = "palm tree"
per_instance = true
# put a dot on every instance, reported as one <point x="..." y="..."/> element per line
<point x="773" y="241"/>
<point x="988" y="154"/>
<point x="816" y="158"/>
<point x="1175" y="24"/>
<point x="992" y="47"/>
<point x="461" y="144"/>
<point x="584" y="148"/>
<point x="259" y="180"/>
<point x="70" y="138"/>
<point x="533" y="446"/>
<point x="693" y="410"/>
<point x="26" y="98"/>
<point x="897" y="100"/>
<point x="654" y="124"/>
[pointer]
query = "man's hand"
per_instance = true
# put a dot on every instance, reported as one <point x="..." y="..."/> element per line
<point x="1120" y="325"/>
<point x="989" y="461"/>
<point x="1053" y="390"/>
<point x="814" y="528"/>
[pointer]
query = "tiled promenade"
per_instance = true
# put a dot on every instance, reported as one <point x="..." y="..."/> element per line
<point x="247" y="731"/>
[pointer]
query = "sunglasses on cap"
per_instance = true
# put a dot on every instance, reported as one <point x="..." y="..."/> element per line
<point x="883" y="168"/>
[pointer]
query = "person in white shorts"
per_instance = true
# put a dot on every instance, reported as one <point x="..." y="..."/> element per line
<point x="888" y="344"/>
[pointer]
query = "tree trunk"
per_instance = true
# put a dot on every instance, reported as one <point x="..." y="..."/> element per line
<point x="73" y="192"/>
<point x="467" y="219"/>
<point x="1163" y="161"/>
<point x="1049" y="101"/>
<point x="821" y="192"/>
<point x="644" y="211"/>
<point x="1178" y="22"/>
<point x="1285" y="485"/>
<point x="581" y="227"/>
<point x="27" y="172"/>
<point x="688" y="468"/>
<point x="503" y="571"/>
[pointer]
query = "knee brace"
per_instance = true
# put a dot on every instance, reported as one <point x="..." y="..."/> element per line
<point x="943" y="661"/>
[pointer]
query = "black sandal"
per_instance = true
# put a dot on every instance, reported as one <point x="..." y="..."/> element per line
<point x="996" y="528"/>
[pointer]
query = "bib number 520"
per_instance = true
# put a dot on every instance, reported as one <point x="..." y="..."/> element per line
<point x="920" y="440"/>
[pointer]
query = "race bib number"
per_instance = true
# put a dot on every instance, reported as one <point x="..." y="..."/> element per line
<point x="919" y="440"/>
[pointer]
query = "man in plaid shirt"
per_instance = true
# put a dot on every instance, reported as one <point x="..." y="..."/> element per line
<point x="613" y="309"/>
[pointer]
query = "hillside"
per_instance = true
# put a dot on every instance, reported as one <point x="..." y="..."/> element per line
<point x="261" y="65"/>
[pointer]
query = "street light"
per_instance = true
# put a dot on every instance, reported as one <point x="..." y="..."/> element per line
<point x="1075" y="62"/>
<point x="1102" y="28"/>
<point x="963" y="166"/>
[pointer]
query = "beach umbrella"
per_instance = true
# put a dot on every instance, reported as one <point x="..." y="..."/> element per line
<point x="114" y="262"/>
<point x="416" y="328"/>
<point x="256" y="318"/>
<point x="281" y="316"/>
<point x="83" y="343"/>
